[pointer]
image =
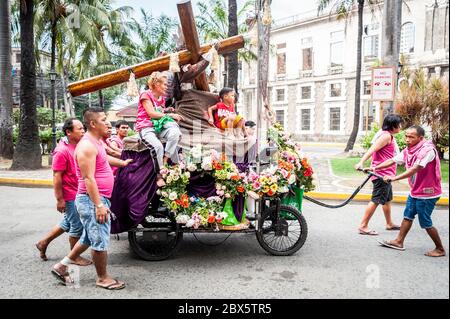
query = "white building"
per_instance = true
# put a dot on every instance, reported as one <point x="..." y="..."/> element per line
<point x="313" y="67"/>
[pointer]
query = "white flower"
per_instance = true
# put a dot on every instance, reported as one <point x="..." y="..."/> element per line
<point x="182" y="219"/>
<point x="224" y="188"/>
<point x="229" y="175"/>
<point x="291" y="179"/>
<point x="283" y="189"/>
<point x="164" y="176"/>
<point x="187" y="174"/>
<point x="173" y="196"/>
<point x="227" y="195"/>
<point x="192" y="167"/>
<point x="190" y="223"/>
<point x="164" y="194"/>
<point x="176" y="177"/>
<point x="158" y="192"/>
<point x="169" y="179"/>
<point x="218" y="186"/>
<point x="206" y="166"/>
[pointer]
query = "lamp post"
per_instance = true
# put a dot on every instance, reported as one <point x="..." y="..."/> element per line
<point x="52" y="75"/>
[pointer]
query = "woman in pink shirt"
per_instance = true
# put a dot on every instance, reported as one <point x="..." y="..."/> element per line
<point x="383" y="148"/>
<point x="153" y="123"/>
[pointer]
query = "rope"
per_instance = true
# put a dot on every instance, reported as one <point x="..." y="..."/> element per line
<point x="315" y="201"/>
<point x="208" y="244"/>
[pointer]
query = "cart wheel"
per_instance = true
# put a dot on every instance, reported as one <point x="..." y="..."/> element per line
<point x="281" y="236"/>
<point x="160" y="239"/>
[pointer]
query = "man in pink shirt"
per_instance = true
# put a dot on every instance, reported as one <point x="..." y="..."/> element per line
<point x="423" y="170"/>
<point x="95" y="185"/>
<point x="65" y="186"/>
<point x="122" y="128"/>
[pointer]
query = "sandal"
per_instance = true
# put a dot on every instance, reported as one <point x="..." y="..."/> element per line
<point x="63" y="278"/>
<point x="116" y="285"/>
<point x="370" y="232"/>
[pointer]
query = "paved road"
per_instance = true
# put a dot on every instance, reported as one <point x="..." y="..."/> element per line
<point x="335" y="262"/>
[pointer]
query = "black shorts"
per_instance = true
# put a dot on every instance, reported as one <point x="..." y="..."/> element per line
<point x="382" y="192"/>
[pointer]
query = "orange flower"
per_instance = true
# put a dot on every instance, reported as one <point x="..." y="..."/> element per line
<point x="184" y="201"/>
<point x="216" y="165"/>
<point x="223" y="157"/>
<point x="211" y="219"/>
<point x="270" y="192"/>
<point x="240" y="189"/>
<point x="178" y="202"/>
<point x="235" y="177"/>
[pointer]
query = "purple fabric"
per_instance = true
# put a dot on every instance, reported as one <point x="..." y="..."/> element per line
<point x="201" y="186"/>
<point x="134" y="189"/>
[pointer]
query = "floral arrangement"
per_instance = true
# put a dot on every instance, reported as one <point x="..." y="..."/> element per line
<point x="291" y="160"/>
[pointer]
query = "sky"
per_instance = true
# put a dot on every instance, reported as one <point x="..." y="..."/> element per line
<point x="280" y="8"/>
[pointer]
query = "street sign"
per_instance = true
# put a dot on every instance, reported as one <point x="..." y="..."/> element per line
<point x="383" y="83"/>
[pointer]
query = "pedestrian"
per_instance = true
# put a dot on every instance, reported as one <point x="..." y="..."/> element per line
<point x="250" y="127"/>
<point x="65" y="186"/>
<point x="122" y="128"/>
<point x="95" y="185"/>
<point x="423" y="170"/>
<point x="383" y="147"/>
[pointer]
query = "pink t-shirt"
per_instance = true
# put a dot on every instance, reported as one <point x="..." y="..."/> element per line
<point x="383" y="154"/>
<point x="63" y="161"/>
<point x="103" y="172"/>
<point x="143" y="120"/>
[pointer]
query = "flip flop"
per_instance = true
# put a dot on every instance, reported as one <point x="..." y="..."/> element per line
<point x="63" y="278"/>
<point x="369" y="233"/>
<point x="385" y="243"/>
<point x="111" y="285"/>
<point x="394" y="228"/>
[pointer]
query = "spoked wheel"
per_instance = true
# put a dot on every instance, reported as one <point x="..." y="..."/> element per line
<point x="284" y="233"/>
<point x="156" y="238"/>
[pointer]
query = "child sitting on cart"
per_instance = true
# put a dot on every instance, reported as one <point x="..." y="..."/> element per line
<point x="153" y="123"/>
<point x="225" y="116"/>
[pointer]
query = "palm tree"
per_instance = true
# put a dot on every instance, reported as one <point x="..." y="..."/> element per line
<point x="232" y="58"/>
<point x="6" y="139"/>
<point x="27" y="154"/>
<point x="343" y="8"/>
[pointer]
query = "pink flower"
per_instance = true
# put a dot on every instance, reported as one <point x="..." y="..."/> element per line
<point x="285" y="173"/>
<point x="256" y="185"/>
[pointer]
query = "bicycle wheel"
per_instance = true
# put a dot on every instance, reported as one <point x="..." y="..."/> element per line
<point x="156" y="238"/>
<point x="281" y="236"/>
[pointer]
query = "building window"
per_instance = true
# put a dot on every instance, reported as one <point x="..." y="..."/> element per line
<point x="280" y="95"/>
<point x="367" y="87"/>
<point x="335" y="89"/>
<point x="407" y="38"/>
<point x="368" y="115"/>
<point x="281" y="63"/>
<point x="307" y="55"/>
<point x="306" y="92"/>
<point x="305" y="118"/>
<point x="370" y="47"/>
<point x="18" y="56"/>
<point x="280" y="116"/>
<point x="337" y="48"/>
<point x="335" y="119"/>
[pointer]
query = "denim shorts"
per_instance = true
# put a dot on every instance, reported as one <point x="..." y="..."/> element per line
<point x="421" y="207"/>
<point x="71" y="223"/>
<point x="95" y="235"/>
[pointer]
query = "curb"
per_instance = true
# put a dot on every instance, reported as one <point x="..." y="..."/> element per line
<point x="25" y="182"/>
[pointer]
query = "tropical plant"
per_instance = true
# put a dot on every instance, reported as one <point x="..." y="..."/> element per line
<point x="366" y="140"/>
<point x="424" y="101"/>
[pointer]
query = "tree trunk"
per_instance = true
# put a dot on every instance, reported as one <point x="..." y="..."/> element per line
<point x="390" y="45"/>
<point x="232" y="59"/>
<point x="27" y="154"/>
<point x="6" y="124"/>
<point x="100" y="99"/>
<point x="354" y="134"/>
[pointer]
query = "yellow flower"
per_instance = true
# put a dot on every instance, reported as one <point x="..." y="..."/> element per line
<point x="263" y="179"/>
<point x="265" y="189"/>
<point x="173" y="206"/>
<point x="274" y="187"/>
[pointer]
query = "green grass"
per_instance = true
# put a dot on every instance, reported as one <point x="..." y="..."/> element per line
<point x="344" y="167"/>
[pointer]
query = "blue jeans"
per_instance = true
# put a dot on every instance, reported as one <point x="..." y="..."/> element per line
<point x="421" y="207"/>
<point x="71" y="223"/>
<point x="95" y="235"/>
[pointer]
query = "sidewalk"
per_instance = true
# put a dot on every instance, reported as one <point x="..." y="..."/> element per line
<point x="328" y="185"/>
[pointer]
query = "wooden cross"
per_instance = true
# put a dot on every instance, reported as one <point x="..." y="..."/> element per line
<point x="191" y="55"/>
